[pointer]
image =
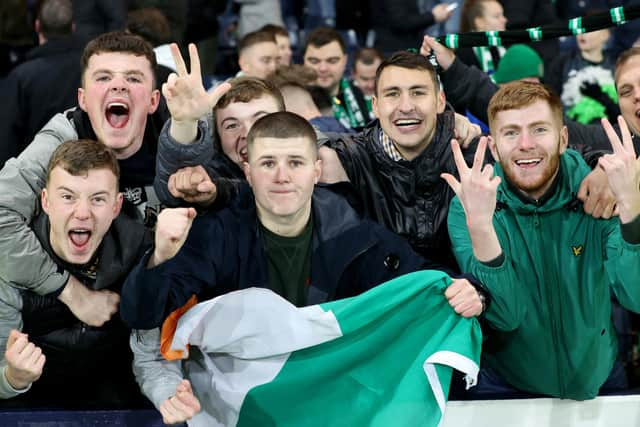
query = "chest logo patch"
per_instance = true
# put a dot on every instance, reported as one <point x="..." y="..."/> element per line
<point x="577" y="250"/>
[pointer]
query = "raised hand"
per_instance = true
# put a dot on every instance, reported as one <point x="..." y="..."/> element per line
<point x="186" y="97"/>
<point x="25" y="360"/>
<point x="596" y="195"/>
<point x="465" y="131"/>
<point x="172" y="230"/>
<point x="193" y="185"/>
<point x="477" y="187"/>
<point x="180" y="407"/>
<point x="463" y="298"/>
<point x="444" y="55"/>
<point x="441" y="12"/>
<point x="477" y="191"/>
<point x="94" y="308"/>
<point x="623" y="170"/>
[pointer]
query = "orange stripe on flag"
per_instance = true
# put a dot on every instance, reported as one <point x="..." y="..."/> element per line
<point x="169" y="329"/>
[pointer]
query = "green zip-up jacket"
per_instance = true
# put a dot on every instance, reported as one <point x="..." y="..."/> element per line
<point x="551" y="304"/>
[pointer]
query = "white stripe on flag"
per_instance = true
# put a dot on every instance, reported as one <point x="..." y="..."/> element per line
<point x="454" y="360"/>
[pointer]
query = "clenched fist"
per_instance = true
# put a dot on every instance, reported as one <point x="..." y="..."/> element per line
<point x="172" y="230"/>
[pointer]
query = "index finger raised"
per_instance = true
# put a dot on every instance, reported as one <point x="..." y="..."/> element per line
<point x="627" y="141"/>
<point x="612" y="136"/>
<point x="181" y="67"/>
<point x="458" y="157"/>
<point x="195" y="59"/>
<point x="478" y="158"/>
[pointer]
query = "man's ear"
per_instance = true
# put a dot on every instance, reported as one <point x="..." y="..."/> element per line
<point x="118" y="205"/>
<point x="155" y="101"/>
<point x="242" y="63"/>
<point x="441" y="102"/>
<point x="247" y="172"/>
<point x="44" y="200"/>
<point x="374" y="105"/>
<point x="564" y="140"/>
<point x="317" y="170"/>
<point x="493" y="148"/>
<point x="81" y="99"/>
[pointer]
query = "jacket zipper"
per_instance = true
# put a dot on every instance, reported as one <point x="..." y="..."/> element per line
<point x="552" y="312"/>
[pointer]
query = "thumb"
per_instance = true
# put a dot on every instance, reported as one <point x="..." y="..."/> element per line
<point x="584" y="190"/>
<point x="452" y="181"/>
<point x="13" y="337"/>
<point x="206" y="187"/>
<point x="191" y="213"/>
<point x="218" y="93"/>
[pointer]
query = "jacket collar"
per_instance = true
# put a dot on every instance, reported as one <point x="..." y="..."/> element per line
<point x="337" y="241"/>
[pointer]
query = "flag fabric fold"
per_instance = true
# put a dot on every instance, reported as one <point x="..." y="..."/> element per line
<point x="382" y="358"/>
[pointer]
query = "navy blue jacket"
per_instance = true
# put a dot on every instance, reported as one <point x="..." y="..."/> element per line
<point x="224" y="252"/>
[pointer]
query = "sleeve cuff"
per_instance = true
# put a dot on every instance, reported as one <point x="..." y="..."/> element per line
<point x="8" y="391"/>
<point x="631" y="231"/>
<point x="496" y="262"/>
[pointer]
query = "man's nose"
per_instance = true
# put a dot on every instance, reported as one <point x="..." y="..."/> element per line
<point x="82" y="210"/>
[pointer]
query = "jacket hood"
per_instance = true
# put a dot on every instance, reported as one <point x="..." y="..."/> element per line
<point x="572" y="171"/>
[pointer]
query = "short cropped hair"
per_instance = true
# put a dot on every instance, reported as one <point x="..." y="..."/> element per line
<point x="283" y="124"/>
<point x="56" y="18"/>
<point x="623" y="58"/>
<point x="519" y="94"/>
<point x="150" y="24"/>
<point x="276" y="30"/>
<point x="119" y="42"/>
<point x="245" y="89"/>
<point x="409" y="60"/>
<point x="78" y="157"/>
<point x="294" y="75"/>
<point x="254" y="38"/>
<point x="322" y="36"/>
<point x="367" y="55"/>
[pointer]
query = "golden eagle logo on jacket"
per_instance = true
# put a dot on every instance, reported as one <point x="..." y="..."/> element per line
<point x="577" y="250"/>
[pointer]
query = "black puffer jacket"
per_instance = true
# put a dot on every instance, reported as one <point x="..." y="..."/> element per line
<point x="93" y="359"/>
<point x="408" y="197"/>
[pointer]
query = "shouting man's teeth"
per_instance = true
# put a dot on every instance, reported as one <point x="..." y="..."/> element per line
<point x="528" y="162"/>
<point x="407" y="122"/>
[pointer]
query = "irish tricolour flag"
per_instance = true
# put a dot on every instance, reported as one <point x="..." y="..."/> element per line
<point x="383" y="358"/>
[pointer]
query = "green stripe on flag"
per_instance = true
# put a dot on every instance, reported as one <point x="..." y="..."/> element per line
<point x="617" y="15"/>
<point x="376" y="374"/>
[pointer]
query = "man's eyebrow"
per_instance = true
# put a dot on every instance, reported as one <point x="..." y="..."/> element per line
<point x="63" y="188"/>
<point x="540" y="122"/>
<point x="227" y="119"/>
<point x="389" y="88"/>
<point x="127" y="72"/>
<point x="509" y="126"/>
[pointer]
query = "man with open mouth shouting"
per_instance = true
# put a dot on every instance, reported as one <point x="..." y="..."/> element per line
<point x="48" y="350"/>
<point x="117" y="101"/>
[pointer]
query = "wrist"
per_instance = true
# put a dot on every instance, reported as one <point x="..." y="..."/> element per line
<point x="17" y="384"/>
<point x="628" y="208"/>
<point x="183" y="131"/>
<point x="155" y="260"/>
